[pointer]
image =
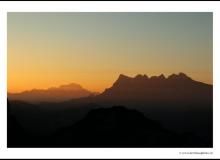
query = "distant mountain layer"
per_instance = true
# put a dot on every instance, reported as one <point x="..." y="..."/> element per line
<point x="54" y="94"/>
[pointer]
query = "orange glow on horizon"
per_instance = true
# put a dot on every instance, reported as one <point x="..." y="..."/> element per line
<point x="92" y="84"/>
<point x="92" y="49"/>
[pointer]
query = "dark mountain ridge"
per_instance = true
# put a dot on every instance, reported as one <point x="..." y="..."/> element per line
<point x="176" y="87"/>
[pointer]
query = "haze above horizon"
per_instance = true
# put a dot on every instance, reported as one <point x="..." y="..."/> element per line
<point x="92" y="49"/>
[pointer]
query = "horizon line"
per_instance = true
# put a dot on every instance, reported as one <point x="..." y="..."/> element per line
<point x="99" y="92"/>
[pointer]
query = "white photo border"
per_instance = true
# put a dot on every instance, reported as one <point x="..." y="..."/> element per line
<point x="109" y="6"/>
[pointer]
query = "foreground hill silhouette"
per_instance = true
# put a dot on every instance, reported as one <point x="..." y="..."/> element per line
<point x="180" y="104"/>
<point x="121" y="127"/>
<point x="16" y="133"/>
<point x="109" y="127"/>
<point x="53" y="94"/>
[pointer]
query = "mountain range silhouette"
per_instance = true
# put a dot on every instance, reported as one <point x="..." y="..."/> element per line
<point x="53" y="94"/>
<point x="176" y="105"/>
<point x="174" y="88"/>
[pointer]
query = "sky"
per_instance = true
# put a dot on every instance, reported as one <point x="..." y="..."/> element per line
<point x="51" y="49"/>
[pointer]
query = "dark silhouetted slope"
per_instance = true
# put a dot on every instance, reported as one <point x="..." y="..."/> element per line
<point x="121" y="127"/>
<point x="158" y="88"/>
<point x="15" y="132"/>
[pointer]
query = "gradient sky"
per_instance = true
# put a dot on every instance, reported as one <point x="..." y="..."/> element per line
<point x="92" y="49"/>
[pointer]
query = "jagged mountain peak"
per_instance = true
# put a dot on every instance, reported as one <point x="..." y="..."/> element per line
<point x="179" y="76"/>
<point x="122" y="79"/>
<point x="161" y="76"/>
<point x="122" y="76"/>
<point x="175" y="86"/>
<point x="139" y="76"/>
